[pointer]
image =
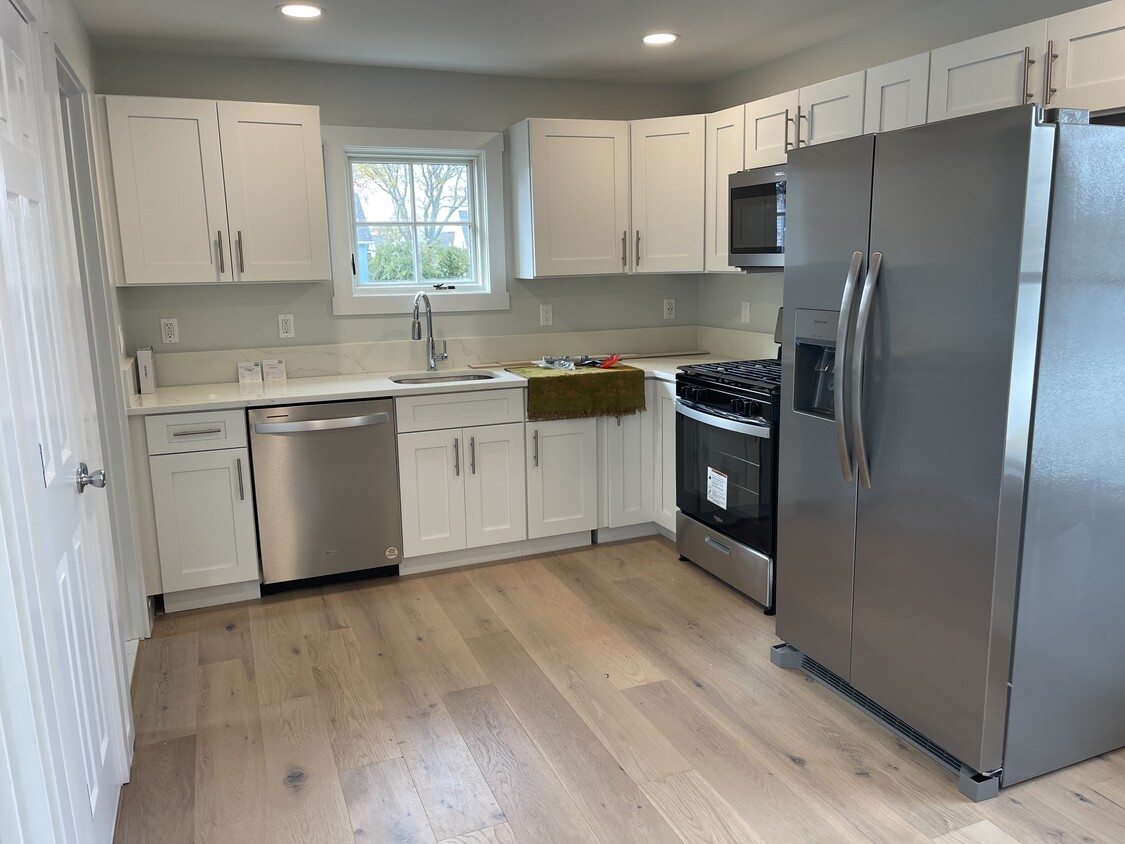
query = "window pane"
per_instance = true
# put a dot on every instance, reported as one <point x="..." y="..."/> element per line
<point x="384" y="254"/>
<point x="382" y="191"/>
<point x="446" y="253"/>
<point x="441" y="192"/>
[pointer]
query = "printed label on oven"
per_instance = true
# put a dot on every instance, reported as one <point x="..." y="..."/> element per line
<point x="717" y="488"/>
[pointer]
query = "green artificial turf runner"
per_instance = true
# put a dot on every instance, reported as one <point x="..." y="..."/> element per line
<point x="583" y="392"/>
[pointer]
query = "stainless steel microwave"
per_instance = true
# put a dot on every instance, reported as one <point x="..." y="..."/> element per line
<point x="757" y="218"/>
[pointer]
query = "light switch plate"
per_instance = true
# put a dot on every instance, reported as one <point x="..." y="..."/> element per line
<point x="286" y="329"/>
<point x="669" y="309"/>
<point x="169" y="330"/>
<point x="745" y="313"/>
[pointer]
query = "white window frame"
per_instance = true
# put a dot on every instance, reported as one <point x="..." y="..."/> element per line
<point x="341" y="141"/>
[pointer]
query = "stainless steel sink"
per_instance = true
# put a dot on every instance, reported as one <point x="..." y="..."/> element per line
<point x="444" y="378"/>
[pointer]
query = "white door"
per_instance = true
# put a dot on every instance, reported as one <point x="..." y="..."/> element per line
<point x="496" y="485"/>
<point x="896" y="94"/>
<point x="273" y="169"/>
<point x="993" y="71"/>
<point x="562" y="483"/>
<point x="204" y="518"/>
<point x="580" y="196"/>
<point x="726" y="133"/>
<point x="831" y="110"/>
<point x="168" y="180"/>
<point x="48" y="425"/>
<point x="625" y="467"/>
<point x="668" y="167"/>
<point x="1086" y="58"/>
<point x="771" y="130"/>
<point x="431" y="467"/>
<point x="664" y="445"/>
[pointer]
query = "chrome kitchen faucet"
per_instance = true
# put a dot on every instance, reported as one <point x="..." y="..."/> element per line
<point x="416" y="332"/>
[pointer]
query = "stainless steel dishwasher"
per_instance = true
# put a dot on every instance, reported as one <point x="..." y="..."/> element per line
<point x="326" y="486"/>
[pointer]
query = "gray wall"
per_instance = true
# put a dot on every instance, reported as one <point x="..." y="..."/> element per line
<point x="938" y="24"/>
<point x="721" y="297"/>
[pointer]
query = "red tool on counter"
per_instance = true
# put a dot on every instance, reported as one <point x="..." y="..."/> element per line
<point x="609" y="361"/>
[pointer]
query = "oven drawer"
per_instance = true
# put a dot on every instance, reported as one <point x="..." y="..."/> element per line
<point x="747" y="570"/>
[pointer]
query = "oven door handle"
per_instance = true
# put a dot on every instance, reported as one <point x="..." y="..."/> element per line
<point x="686" y="410"/>
<point x="840" y="394"/>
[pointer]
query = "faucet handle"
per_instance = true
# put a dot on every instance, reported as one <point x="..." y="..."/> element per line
<point x="444" y="351"/>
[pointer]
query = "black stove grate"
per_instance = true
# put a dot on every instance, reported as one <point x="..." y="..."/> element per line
<point x="760" y="374"/>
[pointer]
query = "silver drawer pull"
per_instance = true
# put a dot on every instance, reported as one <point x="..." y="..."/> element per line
<point x="718" y="546"/>
<point x="197" y="433"/>
<point x="321" y="424"/>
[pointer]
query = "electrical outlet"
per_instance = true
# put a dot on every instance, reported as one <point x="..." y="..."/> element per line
<point x="669" y="309"/>
<point x="745" y="313"/>
<point x="546" y="315"/>
<point x="169" y="331"/>
<point x="285" y="328"/>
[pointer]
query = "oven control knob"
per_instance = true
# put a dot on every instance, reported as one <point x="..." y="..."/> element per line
<point x="755" y="408"/>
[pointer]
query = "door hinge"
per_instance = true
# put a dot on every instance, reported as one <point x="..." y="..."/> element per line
<point x="42" y="466"/>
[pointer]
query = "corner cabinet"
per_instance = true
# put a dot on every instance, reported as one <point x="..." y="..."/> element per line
<point x="212" y="191"/>
<point x="663" y="410"/>
<point x="562" y="482"/>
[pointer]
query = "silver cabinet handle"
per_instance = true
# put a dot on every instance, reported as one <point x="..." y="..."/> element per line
<point x="637" y="255"/>
<point x="839" y="393"/>
<point x="321" y="424"/>
<point x="456" y="457"/>
<point x="241" y="488"/>
<point x="86" y="478"/>
<point x="473" y="455"/>
<point x="788" y="120"/>
<point x="197" y="433"/>
<point x="1052" y="57"/>
<point x="241" y="262"/>
<point x="535" y="448"/>
<point x="805" y="118"/>
<point x="1028" y="95"/>
<point x="624" y="250"/>
<point x="862" y="324"/>
<point x="222" y="261"/>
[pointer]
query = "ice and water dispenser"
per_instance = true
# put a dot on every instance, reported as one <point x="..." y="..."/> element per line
<point x="814" y="365"/>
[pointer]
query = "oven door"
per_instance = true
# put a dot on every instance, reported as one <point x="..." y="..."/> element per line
<point x="725" y="469"/>
<point x="757" y="218"/>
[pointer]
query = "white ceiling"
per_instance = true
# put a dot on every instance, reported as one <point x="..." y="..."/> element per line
<point x="573" y="39"/>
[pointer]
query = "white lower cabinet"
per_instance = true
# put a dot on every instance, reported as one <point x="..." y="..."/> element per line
<point x="662" y="407"/>
<point x="205" y="526"/>
<point x="461" y="488"/>
<point x="625" y="467"/>
<point x="562" y="484"/>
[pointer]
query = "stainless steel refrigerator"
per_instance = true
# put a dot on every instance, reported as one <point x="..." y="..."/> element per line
<point x="951" y="522"/>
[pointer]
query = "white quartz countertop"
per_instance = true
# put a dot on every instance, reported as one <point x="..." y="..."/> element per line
<point x="343" y="387"/>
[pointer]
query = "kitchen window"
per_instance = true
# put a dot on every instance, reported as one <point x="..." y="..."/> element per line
<point x="415" y="211"/>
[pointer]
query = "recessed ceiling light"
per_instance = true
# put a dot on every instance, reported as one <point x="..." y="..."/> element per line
<point x="300" y="10"/>
<point x="657" y="38"/>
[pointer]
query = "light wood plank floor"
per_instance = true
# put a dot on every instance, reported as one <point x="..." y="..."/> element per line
<point x="612" y="695"/>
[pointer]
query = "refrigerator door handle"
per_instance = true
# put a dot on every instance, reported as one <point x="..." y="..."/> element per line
<point x="862" y="325"/>
<point x="839" y="388"/>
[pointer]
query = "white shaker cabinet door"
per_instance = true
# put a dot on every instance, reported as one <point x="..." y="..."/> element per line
<point x="205" y="527"/>
<point x="562" y="484"/>
<point x="431" y="469"/>
<point x="993" y="71"/>
<point x="168" y="181"/>
<point x="771" y="130"/>
<point x="831" y="110"/>
<point x="1086" y="58"/>
<point x="667" y="160"/>
<point x="274" y="172"/>
<point x="625" y="467"/>
<point x="496" y="485"/>
<point x="663" y="411"/>
<point x="726" y="139"/>
<point x="896" y="94"/>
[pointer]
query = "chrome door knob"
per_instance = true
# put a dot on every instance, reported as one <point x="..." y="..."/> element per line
<point x="87" y="478"/>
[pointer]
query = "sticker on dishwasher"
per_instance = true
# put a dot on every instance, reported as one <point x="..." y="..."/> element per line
<point x="717" y="488"/>
<point x="392" y="553"/>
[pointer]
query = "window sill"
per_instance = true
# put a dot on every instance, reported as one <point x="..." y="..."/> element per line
<point x="442" y="302"/>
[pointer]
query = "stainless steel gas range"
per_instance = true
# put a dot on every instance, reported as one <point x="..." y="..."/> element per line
<point x="726" y="470"/>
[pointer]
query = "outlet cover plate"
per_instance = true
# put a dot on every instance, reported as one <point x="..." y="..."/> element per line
<point x="669" y="309"/>
<point x="745" y="313"/>
<point x="169" y="330"/>
<point x="286" y="329"/>
<point x="546" y="315"/>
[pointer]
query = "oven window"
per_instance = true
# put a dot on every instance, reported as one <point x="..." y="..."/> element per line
<point x="757" y="219"/>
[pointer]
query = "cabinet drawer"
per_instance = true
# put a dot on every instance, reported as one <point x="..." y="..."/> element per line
<point x="180" y="432"/>
<point x="459" y="410"/>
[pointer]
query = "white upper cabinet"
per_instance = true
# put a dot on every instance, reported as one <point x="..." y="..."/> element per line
<point x="726" y="133"/>
<point x="994" y="71"/>
<point x="168" y="171"/>
<point x="896" y="94"/>
<point x="667" y="157"/>
<point x="829" y="111"/>
<point x="274" y="174"/>
<point x="1086" y="58"/>
<point x="211" y="191"/>
<point x="771" y="130"/>
<point x="570" y="184"/>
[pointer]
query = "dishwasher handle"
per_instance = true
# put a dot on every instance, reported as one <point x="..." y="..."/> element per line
<point x="321" y="424"/>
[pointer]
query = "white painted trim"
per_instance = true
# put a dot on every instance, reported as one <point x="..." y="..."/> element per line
<point x="617" y="534"/>
<point x="667" y="534"/>
<point x="339" y="140"/>
<point x="212" y="596"/>
<point x="507" y="551"/>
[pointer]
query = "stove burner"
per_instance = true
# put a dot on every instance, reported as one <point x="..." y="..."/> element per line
<point x="761" y="374"/>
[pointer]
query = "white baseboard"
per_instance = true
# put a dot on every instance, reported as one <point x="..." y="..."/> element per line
<point x="131" y="646"/>
<point x="628" y="532"/>
<point x="507" y="551"/>
<point x="666" y="533"/>
<point x="212" y="596"/>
